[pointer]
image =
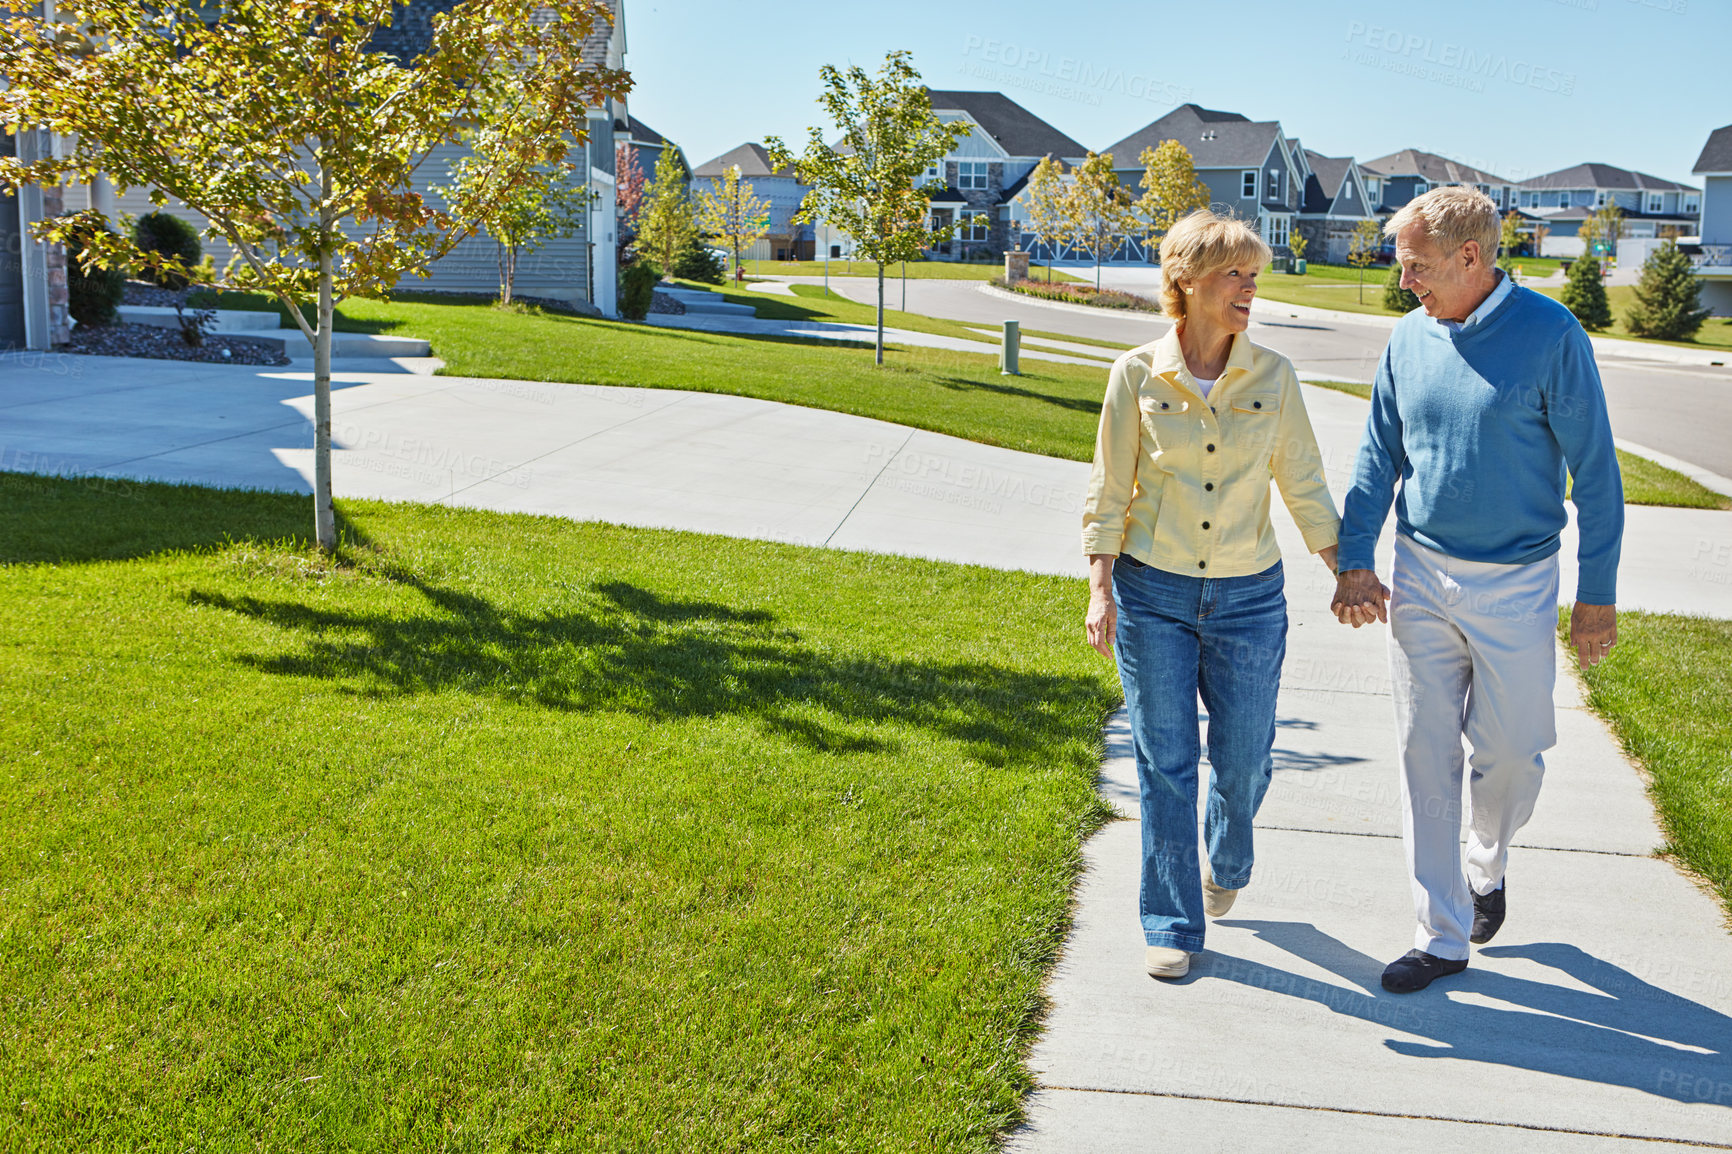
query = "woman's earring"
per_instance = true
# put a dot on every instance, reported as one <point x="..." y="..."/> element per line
<point x="1189" y="291"/>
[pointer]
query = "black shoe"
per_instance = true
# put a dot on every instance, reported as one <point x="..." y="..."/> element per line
<point x="1487" y="915"/>
<point x="1417" y="969"/>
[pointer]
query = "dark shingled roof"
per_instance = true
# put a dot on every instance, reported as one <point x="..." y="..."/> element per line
<point x="639" y="132"/>
<point x="1434" y="168"/>
<point x="1215" y="139"/>
<point x="1610" y="176"/>
<point x="1717" y="153"/>
<point x="1017" y="130"/>
<point x="1324" y="183"/>
<point x="411" y="31"/>
<point x="750" y="156"/>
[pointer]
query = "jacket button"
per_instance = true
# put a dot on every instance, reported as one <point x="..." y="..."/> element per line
<point x="1256" y="404"/>
<point x="1208" y="486"/>
<point x="1163" y="404"/>
<point x="1211" y="448"/>
<point x="1205" y="524"/>
<point x="1202" y="564"/>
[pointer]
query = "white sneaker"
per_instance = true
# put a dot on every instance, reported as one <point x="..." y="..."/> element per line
<point x="1162" y="962"/>
<point x="1216" y="900"/>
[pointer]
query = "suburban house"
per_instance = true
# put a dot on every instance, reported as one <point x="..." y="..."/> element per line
<point x="1713" y="255"/>
<point x="648" y="144"/>
<point x="1395" y="179"/>
<point x="579" y="269"/>
<point x="1336" y="203"/>
<point x="1653" y="207"/>
<point x="787" y="239"/>
<point x="1250" y="166"/>
<point x="985" y="170"/>
<point x="34" y="309"/>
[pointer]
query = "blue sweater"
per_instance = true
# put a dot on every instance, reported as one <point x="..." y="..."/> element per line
<point x="1480" y="425"/>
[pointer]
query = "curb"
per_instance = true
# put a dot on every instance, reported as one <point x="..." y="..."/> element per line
<point x="1064" y="307"/>
<point x="1704" y="478"/>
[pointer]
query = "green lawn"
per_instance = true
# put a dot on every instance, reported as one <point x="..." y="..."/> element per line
<point x="513" y="833"/>
<point x="917" y="269"/>
<point x="1715" y="333"/>
<point x="1050" y="409"/>
<point x="1645" y="483"/>
<point x="1327" y="286"/>
<point x="1666" y="689"/>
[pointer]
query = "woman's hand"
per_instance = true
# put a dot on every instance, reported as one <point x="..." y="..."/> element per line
<point x="1102" y="622"/>
<point x="1327" y="556"/>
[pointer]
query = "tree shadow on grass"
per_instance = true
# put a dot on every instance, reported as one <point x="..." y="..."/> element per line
<point x="628" y="649"/>
<point x="1057" y="400"/>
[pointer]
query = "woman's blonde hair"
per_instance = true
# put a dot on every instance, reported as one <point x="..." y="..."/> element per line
<point x="1203" y="242"/>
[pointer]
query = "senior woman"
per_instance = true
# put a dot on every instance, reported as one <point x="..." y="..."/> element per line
<point x="1185" y="579"/>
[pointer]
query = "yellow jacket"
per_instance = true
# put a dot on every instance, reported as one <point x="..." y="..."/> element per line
<point x="1182" y="483"/>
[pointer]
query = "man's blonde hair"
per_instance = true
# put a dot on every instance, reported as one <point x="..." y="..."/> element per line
<point x="1202" y="242"/>
<point x="1452" y="216"/>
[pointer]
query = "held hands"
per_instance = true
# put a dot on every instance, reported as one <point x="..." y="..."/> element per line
<point x="1360" y="598"/>
<point x="1593" y="632"/>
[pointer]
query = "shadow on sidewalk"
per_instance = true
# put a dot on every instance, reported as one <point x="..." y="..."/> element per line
<point x="1622" y="1031"/>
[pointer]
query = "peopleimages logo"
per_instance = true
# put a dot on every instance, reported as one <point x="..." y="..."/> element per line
<point x="1064" y="76"/>
<point x="1453" y="63"/>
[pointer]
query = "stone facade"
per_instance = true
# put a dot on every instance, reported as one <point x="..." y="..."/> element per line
<point x="59" y="293"/>
<point x="984" y="200"/>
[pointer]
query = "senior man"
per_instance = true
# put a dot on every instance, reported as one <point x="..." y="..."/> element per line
<point x="1485" y="398"/>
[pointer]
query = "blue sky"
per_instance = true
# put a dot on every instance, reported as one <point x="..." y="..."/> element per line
<point x="1516" y="87"/>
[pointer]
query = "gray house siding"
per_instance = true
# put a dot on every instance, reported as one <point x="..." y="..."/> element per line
<point x="1717" y="210"/>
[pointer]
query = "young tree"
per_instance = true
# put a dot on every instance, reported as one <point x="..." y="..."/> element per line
<point x="1296" y="244"/>
<point x="629" y="185"/>
<point x="871" y="185"/>
<point x="1046" y="219"/>
<point x="1362" y="249"/>
<point x="1585" y="294"/>
<point x="728" y="211"/>
<point x="1170" y="188"/>
<point x="666" y="223"/>
<point x="1602" y="227"/>
<point x="1098" y="209"/>
<point x="1666" y="297"/>
<point x="530" y="214"/>
<point x="298" y="145"/>
<point x="1509" y="238"/>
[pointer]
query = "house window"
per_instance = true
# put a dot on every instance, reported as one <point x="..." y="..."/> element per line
<point x="1420" y="188"/>
<point x="1347" y="190"/>
<point x="1248" y="183"/>
<point x="932" y="173"/>
<point x="971" y="174"/>
<point x="1691" y="204"/>
<point x="1656" y="202"/>
<point x="1275" y="230"/>
<point x="975" y="225"/>
<point x="1274" y="184"/>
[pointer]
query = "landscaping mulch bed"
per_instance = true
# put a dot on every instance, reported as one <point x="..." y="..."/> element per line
<point x="662" y="303"/>
<point x="154" y="343"/>
<point x="1082" y="294"/>
<point x="142" y="292"/>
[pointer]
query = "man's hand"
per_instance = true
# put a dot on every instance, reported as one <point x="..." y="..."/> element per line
<point x="1360" y="598"/>
<point x="1593" y="632"/>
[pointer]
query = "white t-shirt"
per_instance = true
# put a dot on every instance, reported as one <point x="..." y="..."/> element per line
<point x="1206" y="385"/>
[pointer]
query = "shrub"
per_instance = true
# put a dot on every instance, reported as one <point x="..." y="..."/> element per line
<point x="1082" y="294"/>
<point x="93" y="293"/>
<point x="696" y="262"/>
<point x="1396" y="298"/>
<point x="1585" y="294"/>
<point x="167" y="236"/>
<point x="637" y="286"/>
<point x="1666" y="298"/>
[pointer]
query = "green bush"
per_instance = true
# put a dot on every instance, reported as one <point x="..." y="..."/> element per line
<point x="1396" y="298"/>
<point x="1585" y="294"/>
<point x="637" y="286"/>
<point x="93" y="293"/>
<point x="1666" y="298"/>
<point x="168" y="236"/>
<point x="696" y="262"/>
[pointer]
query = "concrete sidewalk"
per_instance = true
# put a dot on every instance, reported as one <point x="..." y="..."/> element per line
<point x="1601" y="1015"/>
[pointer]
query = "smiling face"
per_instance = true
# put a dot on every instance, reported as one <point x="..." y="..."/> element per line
<point x="1222" y="299"/>
<point x="1449" y="285"/>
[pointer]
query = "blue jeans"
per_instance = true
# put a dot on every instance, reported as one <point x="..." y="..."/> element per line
<point x="1223" y="638"/>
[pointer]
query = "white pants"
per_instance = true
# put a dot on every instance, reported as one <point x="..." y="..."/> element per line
<point x="1472" y="649"/>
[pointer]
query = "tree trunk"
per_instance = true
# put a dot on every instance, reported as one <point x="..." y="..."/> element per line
<point x="324" y="517"/>
<point x="880" y="357"/>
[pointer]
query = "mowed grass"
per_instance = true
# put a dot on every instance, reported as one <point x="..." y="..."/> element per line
<point x="513" y="833"/>
<point x="1645" y="482"/>
<point x="1666" y="690"/>
<point x="1051" y="409"/>
<point x="1715" y="333"/>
